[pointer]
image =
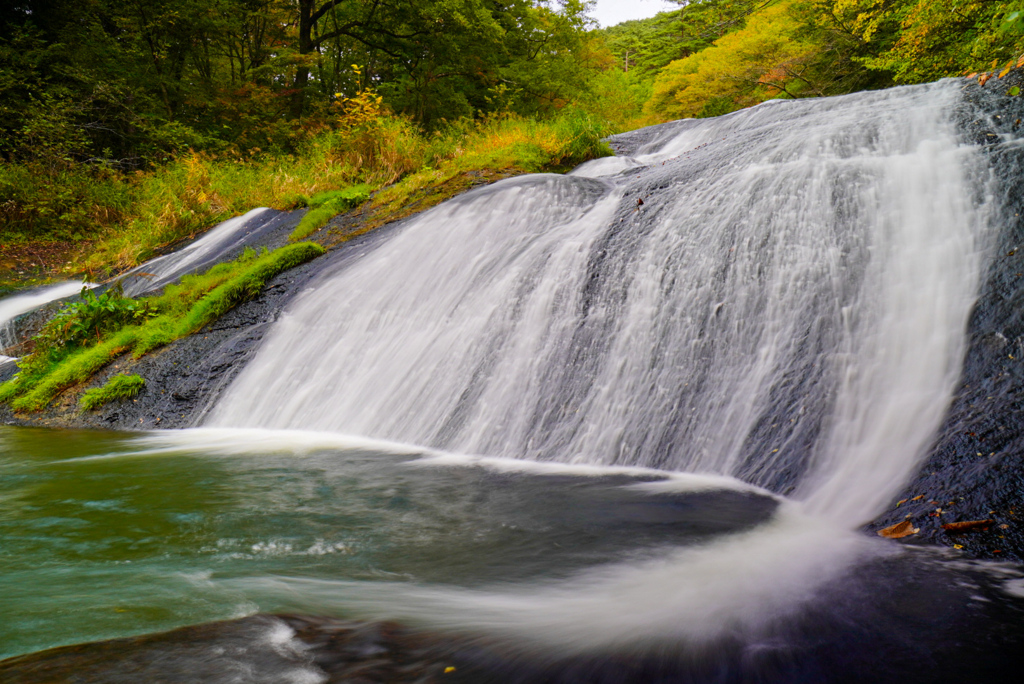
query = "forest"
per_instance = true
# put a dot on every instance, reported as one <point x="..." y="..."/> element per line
<point x="126" y="126"/>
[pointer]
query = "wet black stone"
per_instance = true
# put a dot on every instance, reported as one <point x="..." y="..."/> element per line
<point x="975" y="469"/>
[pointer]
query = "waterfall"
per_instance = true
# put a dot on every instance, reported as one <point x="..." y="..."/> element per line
<point x="14" y="306"/>
<point x="786" y="306"/>
<point x="225" y="236"/>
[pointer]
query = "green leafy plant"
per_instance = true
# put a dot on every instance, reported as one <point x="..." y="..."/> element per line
<point x="93" y="316"/>
<point x="118" y="387"/>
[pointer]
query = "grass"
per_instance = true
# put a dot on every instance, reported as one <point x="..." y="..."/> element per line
<point x="179" y="311"/>
<point x="118" y="387"/>
<point x="475" y="152"/>
<point x="118" y="220"/>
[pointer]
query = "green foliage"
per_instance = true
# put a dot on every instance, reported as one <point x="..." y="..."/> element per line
<point x="467" y="152"/>
<point x="179" y="311"/>
<point x="92" y="317"/>
<point x="580" y="136"/>
<point x="767" y="58"/>
<point x="645" y="46"/>
<point x="118" y="387"/>
<point x="923" y="40"/>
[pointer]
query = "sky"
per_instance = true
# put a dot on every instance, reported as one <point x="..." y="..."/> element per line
<point x="611" y="12"/>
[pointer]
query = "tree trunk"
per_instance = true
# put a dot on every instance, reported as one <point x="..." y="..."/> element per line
<point x="306" y="8"/>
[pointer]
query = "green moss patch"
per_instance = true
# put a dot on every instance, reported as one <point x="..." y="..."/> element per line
<point x="59" y="361"/>
<point x="326" y="205"/>
<point x="118" y="387"/>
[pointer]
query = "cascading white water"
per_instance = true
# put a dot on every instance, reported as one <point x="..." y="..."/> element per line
<point x="787" y="307"/>
<point x="16" y="305"/>
<point x="160" y="271"/>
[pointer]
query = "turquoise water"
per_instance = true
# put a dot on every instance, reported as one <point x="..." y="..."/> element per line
<point x="105" y="534"/>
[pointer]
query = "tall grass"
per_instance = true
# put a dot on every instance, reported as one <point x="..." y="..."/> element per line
<point x="123" y="219"/>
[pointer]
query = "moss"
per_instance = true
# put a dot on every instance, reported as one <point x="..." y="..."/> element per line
<point x="326" y="205"/>
<point x="118" y="387"/>
<point x="183" y="309"/>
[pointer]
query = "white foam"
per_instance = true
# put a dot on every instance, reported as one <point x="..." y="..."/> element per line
<point x="281" y="638"/>
<point x="250" y="441"/>
<point x="605" y="166"/>
<point x="666" y="481"/>
<point x="1014" y="587"/>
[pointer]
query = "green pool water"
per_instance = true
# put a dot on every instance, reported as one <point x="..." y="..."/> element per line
<point x="102" y="535"/>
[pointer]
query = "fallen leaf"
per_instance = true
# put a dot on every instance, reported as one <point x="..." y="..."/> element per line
<point x="968" y="525"/>
<point x="983" y="79"/>
<point x="449" y="669"/>
<point x="1020" y="62"/>
<point x="1002" y="74"/>
<point x="900" y="503"/>
<point x="918" y="497"/>
<point x="1014" y="91"/>
<point x="899" y="530"/>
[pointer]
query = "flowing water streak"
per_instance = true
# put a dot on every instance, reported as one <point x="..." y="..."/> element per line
<point x="16" y="305"/>
<point x="693" y="595"/>
<point x="162" y="270"/>
<point x="787" y="307"/>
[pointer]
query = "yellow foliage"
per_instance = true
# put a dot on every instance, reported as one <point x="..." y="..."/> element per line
<point x="365" y="108"/>
<point x="764" y="60"/>
<point x="923" y="40"/>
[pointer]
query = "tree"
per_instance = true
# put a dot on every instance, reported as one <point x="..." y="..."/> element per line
<point x="767" y="58"/>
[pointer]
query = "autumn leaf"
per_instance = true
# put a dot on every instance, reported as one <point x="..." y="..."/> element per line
<point x="968" y="525"/>
<point x="899" y="530"/>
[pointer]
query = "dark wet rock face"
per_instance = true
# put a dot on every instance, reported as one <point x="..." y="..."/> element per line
<point x="975" y="471"/>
